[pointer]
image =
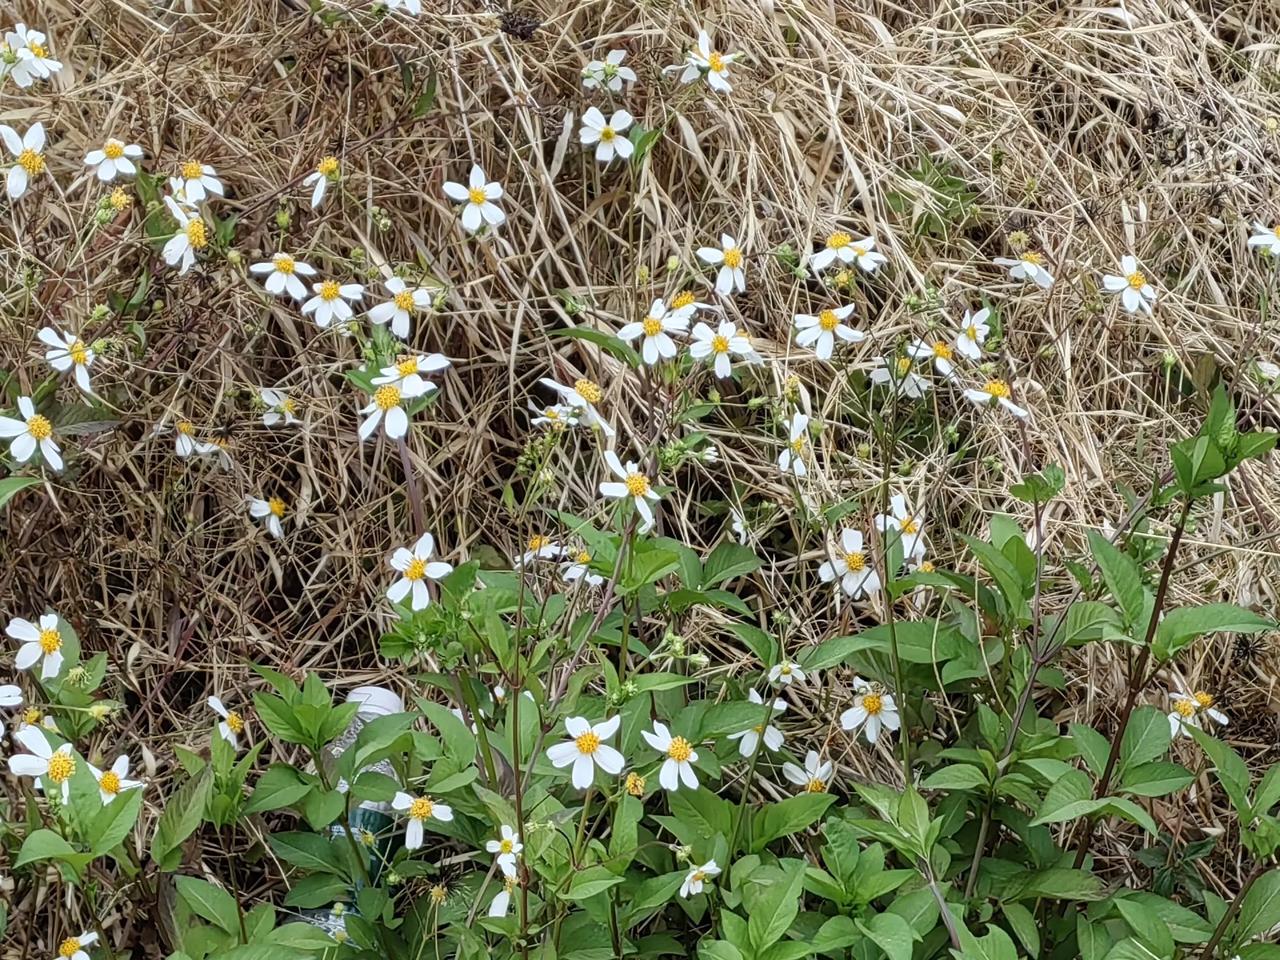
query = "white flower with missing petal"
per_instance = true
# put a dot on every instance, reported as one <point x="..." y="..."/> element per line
<point x="730" y="260"/>
<point x="579" y="568"/>
<point x="786" y="673"/>
<point x="416" y="567"/>
<point x="558" y="416"/>
<point x="607" y="135"/>
<point x="407" y="373"/>
<point x="501" y="902"/>
<point x="318" y="180"/>
<point x="814" y="777"/>
<point x="419" y="810"/>
<point x="115" y="158"/>
<point x="198" y="181"/>
<point x="284" y="274"/>
<point x="67" y="352"/>
<point x="192" y="237"/>
<point x="851" y="567"/>
<point x="791" y="459"/>
<point x="74" y="948"/>
<point x="873" y="710"/>
<point x="1190" y="709"/>
<point x="28" y="152"/>
<point x="749" y="739"/>
<point x="539" y="547"/>
<point x="677" y="768"/>
<point x="582" y="397"/>
<point x="30" y="51"/>
<point x="821" y="331"/>
<point x="899" y="375"/>
<point x="279" y="407"/>
<point x="477" y="199"/>
<point x="271" y="512"/>
<point x="231" y="726"/>
<point x="38" y="644"/>
<point x="908" y="526"/>
<point x="939" y="351"/>
<point x="411" y="7"/>
<point x="1136" y="293"/>
<point x="1028" y="266"/>
<point x="706" y="60"/>
<point x="973" y="334"/>
<point x="587" y="750"/>
<point x="656" y="328"/>
<point x="995" y="392"/>
<point x="608" y="73"/>
<point x="697" y="877"/>
<point x="43" y="761"/>
<point x="1266" y="239"/>
<point x="507" y="847"/>
<point x="332" y="302"/>
<point x="631" y="484"/>
<point x="113" y="782"/>
<point x="720" y="346"/>
<point x="32" y="431"/>
<point x="404" y="302"/>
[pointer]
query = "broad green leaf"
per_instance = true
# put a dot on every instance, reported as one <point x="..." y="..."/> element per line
<point x="890" y="933"/>
<point x="182" y="814"/>
<point x="774" y="911"/>
<point x="309" y="851"/>
<point x="210" y="902"/>
<point x="718" y="950"/>
<point x="834" y="935"/>
<point x="1260" y="908"/>
<point x="1230" y="770"/>
<point x="1092" y="746"/>
<point x="919" y="641"/>
<point x="43" y="845"/>
<point x="115" y="821"/>
<point x="1121" y="574"/>
<point x="11" y="486"/>
<point x="1182" y="626"/>
<point x="1059" y="883"/>
<point x="727" y="561"/>
<point x="708" y="813"/>
<point x="587" y="883"/>
<point x="1154" y="779"/>
<point x="956" y="776"/>
<point x="1145" y="738"/>
<point x="606" y="341"/>
<point x="1131" y="811"/>
<point x="1069" y="797"/>
<point x="280" y="786"/>
<point x="996" y="945"/>
<point x="787" y="816"/>
<point x="1024" y="926"/>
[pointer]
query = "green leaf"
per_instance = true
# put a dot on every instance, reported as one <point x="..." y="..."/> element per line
<point x="42" y="845"/>
<point x="654" y="892"/>
<point x="707" y="813"/>
<point x="1145" y="738"/>
<point x="1024" y="926"/>
<point x="280" y="786"/>
<point x="308" y="851"/>
<point x="919" y="641"/>
<point x="891" y="934"/>
<point x="114" y="821"/>
<point x="1131" y="811"/>
<point x="301" y="936"/>
<point x="182" y="814"/>
<point x="1260" y="908"/>
<point x="957" y="776"/>
<point x="788" y="816"/>
<point x="774" y="910"/>
<point x="1070" y="797"/>
<point x="1092" y="746"/>
<point x="1121" y="575"/>
<point x="1182" y="626"/>
<point x="727" y="561"/>
<point x="210" y="902"/>
<point x="606" y="341"/>
<point x="587" y="883"/>
<point x="718" y="950"/>
<point x="11" y="486"/>
<point x="1060" y="883"/>
<point x="317" y="890"/>
<point x="831" y="652"/>
<point x="834" y="935"/>
<point x="1154" y="779"/>
<point x="996" y="945"/>
<point x="1230" y="770"/>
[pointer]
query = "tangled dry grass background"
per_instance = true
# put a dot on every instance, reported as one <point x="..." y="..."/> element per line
<point x="941" y="127"/>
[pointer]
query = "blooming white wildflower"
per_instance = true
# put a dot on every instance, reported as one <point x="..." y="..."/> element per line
<point x="113" y="782"/>
<point x="557" y="416"/>
<point x="749" y="739"/>
<point x="539" y="548"/>
<point x="705" y="59"/>
<point x="400" y="308"/>
<point x="697" y="877"/>
<point x="114" y="158"/>
<point x="67" y="352"/>
<point x="608" y="73"/>
<point x="791" y="459"/>
<point x="28" y="152"/>
<point x="607" y="135"/>
<point x="1190" y="708"/>
<point x="786" y="673"/>
<point x="738" y="524"/>
<point x="33" y="430"/>
<point x="973" y="334"/>
<point x="198" y="181"/>
<point x="841" y="246"/>
<point x="73" y="948"/>
<point x="37" y="644"/>
<point x="656" y="328"/>
<point x="908" y="524"/>
<point x="231" y="726"/>
<point x="192" y="236"/>
<point x="587" y="750"/>
<point x="330" y="302"/>
<point x="284" y="273"/>
<point x="411" y="7"/>
<point x="279" y="407"/>
<point x="507" y="847"/>
<point x="44" y="761"/>
<point x="730" y="260"/>
<point x="899" y="374"/>
<point x="851" y="567"/>
<point x="995" y="391"/>
<point x="873" y="709"/>
<point x="939" y="351"/>
<point x="579" y="568"/>
<point x="501" y="902"/>
<point x="386" y="402"/>
<point x="1028" y="266"/>
<point x="814" y="777"/>
<point x="419" y="810"/>
<point x="10" y="696"/>
<point x="415" y="567"/>
<point x="633" y="484"/>
<point x="677" y="768"/>
<point x="1267" y="370"/>
<point x="407" y="373"/>
<point x="318" y="179"/>
<point x="477" y="199"/>
<point x="820" y="331"/>
<point x="270" y="512"/>
<point x="31" y="48"/>
<point x="1135" y="292"/>
<point x="1266" y="239"/>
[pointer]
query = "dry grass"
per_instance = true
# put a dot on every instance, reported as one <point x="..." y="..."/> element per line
<point x="1095" y="140"/>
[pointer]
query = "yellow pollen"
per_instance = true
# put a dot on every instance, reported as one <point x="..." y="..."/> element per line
<point x="785" y="670"/>
<point x="234" y="722"/>
<point x="682" y="299"/>
<point x="698" y="877"/>
<point x="120" y="200"/>
<point x="607" y="135"/>
<point x="386" y="397"/>
<point x="407" y="366"/>
<point x="903" y="366"/>
<point x="637" y="484"/>
<point x="588" y="390"/>
<point x="61" y="767"/>
<point x="276" y="505"/>
<point x="719" y="344"/>
<point x="197" y="235"/>
<point x="1032" y="257"/>
<point x="192" y="170"/>
<point x="403" y="300"/>
<point x="815" y="785"/>
<point x="1205" y="700"/>
<point x="50" y="641"/>
<point x="31" y="162"/>
<point x="582" y="556"/>
<point x="327" y="167"/>
<point x="1185" y="708"/>
<point x="421" y="809"/>
<point x="971" y="332"/>
<point x="856" y="562"/>
<point x="288" y="405"/>
<point x="78" y="353"/>
<point x="828" y="320"/>
<point x="733" y="258"/>
<point x="797" y="445"/>
<point x="416" y="570"/>
<point x="1137" y="280"/>
<point x="110" y="782"/>
<point x="476" y="195"/>
<point x="942" y="350"/>
<point x="909" y="525"/>
<point x="283" y="263"/>
<point x="113" y="150"/>
<point x="873" y="703"/>
<point x="587" y="744"/>
<point x="838" y="240"/>
<point x="859" y="251"/>
<point x="715" y="62"/>
<point x="39" y="50"/>
<point x="69" y="947"/>
<point x="507" y="846"/>
<point x="635" y="784"/>
<point x="759" y="728"/>
<point x="439" y="894"/>
<point x="39" y="427"/>
<point x="537" y="542"/>
<point x="551" y="413"/>
<point x="31" y="716"/>
<point x="926" y="566"/>
<point x="679" y="750"/>
<point x="652" y="326"/>
<point x="329" y="290"/>
<point x="185" y="427"/>
<point x="997" y="388"/>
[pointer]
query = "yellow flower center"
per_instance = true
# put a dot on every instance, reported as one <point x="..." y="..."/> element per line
<point x="185" y="427"/>
<point x="698" y="877"/>
<point x="476" y="195"/>
<point x="39" y="50"/>
<point x="838" y="240"/>
<point x="828" y="320"/>
<point x="859" y="250"/>
<point x="1185" y="708"/>
<point x="971" y="332"/>
<point x="637" y="484"/>
<point x="234" y="722"/>
<point x="682" y="299"/>
<point x="719" y="344"/>
<point x="31" y="716"/>
<point x="997" y="388"/>
<point x="403" y="300"/>
<point x="276" y="505"/>
<point x="421" y="809"/>
<point x="386" y="397"/>
<point x="329" y="290"/>
<point x="50" y="641"/>
<point x="1033" y="258"/>
<point x="733" y="258"/>
<point x="607" y="135"/>
<point x="582" y="556"/>
<point x="588" y="390"/>
<point x="197" y="235"/>
<point x="1137" y="280"/>
<point x="855" y="561"/>
<point x="288" y="405"/>
<point x="652" y="326"/>
<point x="439" y="894"/>
<point x="120" y="200"/>
<point x="587" y="743"/>
<point x="537" y="542"/>
<point x="416" y="570"/>
<point x="909" y="525"/>
<point x="407" y="366"/>
<point x="873" y="703"/>
<point x="327" y="167"/>
<point x="942" y="350"/>
<point x="284" y="263"/>
<point x="61" y="767"/>
<point x="635" y="784"/>
<point x="903" y="366"/>
<point x="69" y="947"/>
<point x="815" y="785"/>
<point x="679" y="750"/>
<point x="113" y="150"/>
<point x="1205" y="700"/>
<point x="39" y="427"/>
<point x="78" y="353"/>
<point x="926" y="566"/>
<point x="192" y="170"/>
<point x="797" y="445"/>
<point x="110" y="783"/>
<point x="31" y="162"/>
<point x="715" y="62"/>
<point x="758" y="728"/>
<point x="507" y="846"/>
<point x="785" y="670"/>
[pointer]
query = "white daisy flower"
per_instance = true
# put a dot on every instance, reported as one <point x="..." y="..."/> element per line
<point x="326" y="170"/>
<point x="684" y="304"/>
<point x="786" y="673"/>
<point x="28" y="152"/>
<point x="749" y="739"/>
<point x="198" y="181"/>
<point x="419" y="810"/>
<point x="192" y="236"/>
<point x="656" y="329"/>
<point x="539" y="547"/>
<point x="279" y="407"/>
<point x="115" y="158"/>
<point x="995" y="391"/>
<point x="507" y="847"/>
<point x="973" y="334"/>
<point x="37" y="644"/>
<point x="587" y="750"/>
<point x="407" y="374"/>
<point x="219" y="448"/>
<point x="607" y="135"/>
<point x="730" y="260"/>
<point x="1028" y="266"/>
<point x="416" y="567"/>
<point x="184" y="438"/>
<point x="33" y="430"/>
<point x="411" y="7"/>
<point x="556" y="417"/>
<point x="738" y="524"/>
<point x="67" y="352"/>
<point x="582" y="397"/>
<point x="44" y="761"/>
<point x="10" y="696"/>
<point x="1135" y="292"/>
<point x="31" y="49"/>
<point x="697" y="877"/>
<point x="851" y="566"/>
<point x="814" y="777"/>
<point x="284" y="275"/>
<point x="820" y="331"/>
<point x="841" y="246"/>
<point x="400" y="308"/>
<point x="73" y="948"/>
<point x="1267" y="370"/>
<point x="908" y="524"/>
<point x="1190" y="708"/>
<point x="579" y="568"/>
<point x="330" y="302"/>
<point x="633" y="484"/>
<point x="791" y="459"/>
<point x="939" y="351"/>
<point x="386" y="402"/>
<point x="271" y="512"/>
<point x="500" y="905"/>
<point x="705" y="59"/>
<point x="677" y="768"/>
<point x="608" y="73"/>
<point x="873" y="709"/>
<point x="1266" y="238"/>
<point x="720" y="345"/>
<point x="477" y="199"/>
<point x="231" y="726"/>
<point x="900" y="376"/>
<point x="114" y="781"/>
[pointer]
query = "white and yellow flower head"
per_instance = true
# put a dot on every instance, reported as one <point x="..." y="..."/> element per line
<point x="974" y="329"/>
<point x="478" y="200"/>
<point x="416" y="567"/>
<point x="270" y="511"/>
<point x="76" y="948"/>
<point x="406" y="374"/>
<point x="608" y="73"/>
<point x="720" y="346"/>
<point x="583" y="396"/>
<point x="386" y="406"/>
<point x="198" y="181"/>
<point x="419" y="810"/>
<point x="850" y="565"/>
<point x="318" y="179"/>
<point x="587" y="750"/>
<point x="656" y="329"/>
<point x="1191" y="709"/>
<point x="31" y="48"/>
<point x="792" y="458"/>
<point x="399" y="310"/>
<point x="539" y="547"/>
<point x="40" y="644"/>
<point x="995" y="392"/>
<point x="67" y="352"/>
<point x="280" y="407"/>
<point x="842" y="247"/>
<point x="43" y="762"/>
<point x="191" y="238"/>
<point x="284" y="274"/>
<point x="821" y="330"/>
<point x="578" y="567"/>
<point x="786" y="672"/>
<point x="500" y="905"/>
<point x="679" y="757"/>
<point x="32" y="431"/>
<point x="873" y="710"/>
<point x="697" y="877"/>
<point x="557" y="416"/>
<point x="750" y="738"/>
<point x="898" y="373"/>
<point x="632" y="484"/>
<point x="332" y="301"/>
<point x="508" y="848"/>
<point x="113" y="782"/>
<point x="114" y="158"/>
<point x="1266" y="239"/>
<point x="731" y="261"/>
<point x="1028" y="266"/>
<point x="608" y="135"/>
<point x="28" y="155"/>
<point x="231" y="726"/>
<point x="907" y="525"/>
<point x="814" y="776"/>
<point x="706" y="60"/>
<point x="1136" y="292"/>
